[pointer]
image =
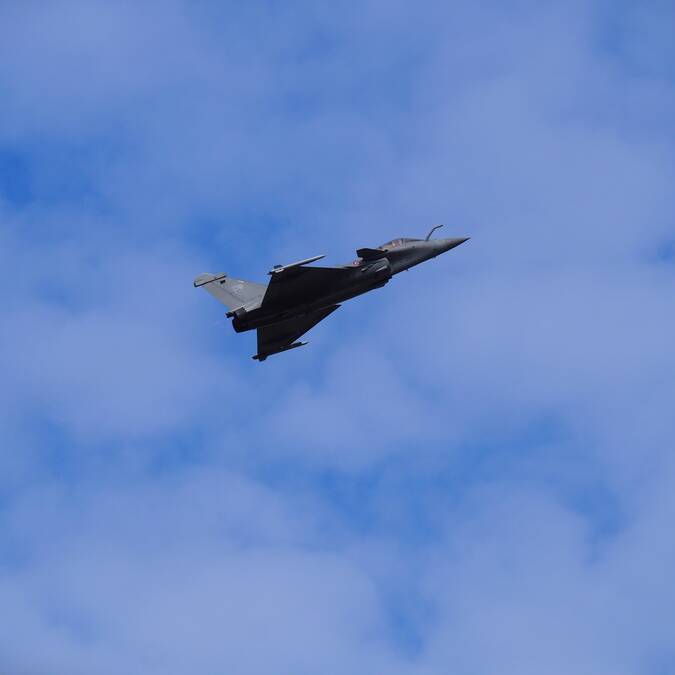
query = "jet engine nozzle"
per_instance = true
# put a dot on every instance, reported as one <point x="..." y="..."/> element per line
<point x="239" y="319"/>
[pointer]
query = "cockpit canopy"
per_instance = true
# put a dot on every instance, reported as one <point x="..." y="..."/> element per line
<point x="394" y="243"/>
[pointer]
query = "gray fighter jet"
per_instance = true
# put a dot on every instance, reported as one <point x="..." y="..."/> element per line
<point x="298" y="297"/>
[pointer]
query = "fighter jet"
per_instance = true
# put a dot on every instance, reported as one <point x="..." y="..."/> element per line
<point x="298" y="297"/>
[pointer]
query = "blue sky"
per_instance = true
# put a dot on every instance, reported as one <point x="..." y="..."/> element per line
<point x="469" y="471"/>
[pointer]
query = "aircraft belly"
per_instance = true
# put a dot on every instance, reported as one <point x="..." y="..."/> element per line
<point x="311" y="302"/>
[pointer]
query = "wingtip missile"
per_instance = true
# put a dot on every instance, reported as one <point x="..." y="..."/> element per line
<point x="262" y="357"/>
<point x="282" y="268"/>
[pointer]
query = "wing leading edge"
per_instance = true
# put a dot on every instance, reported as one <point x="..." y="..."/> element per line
<point x="282" y="336"/>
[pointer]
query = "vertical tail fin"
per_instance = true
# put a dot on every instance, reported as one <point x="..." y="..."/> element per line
<point x="233" y="293"/>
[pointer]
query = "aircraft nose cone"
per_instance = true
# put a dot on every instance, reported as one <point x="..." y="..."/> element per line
<point x="446" y="244"/>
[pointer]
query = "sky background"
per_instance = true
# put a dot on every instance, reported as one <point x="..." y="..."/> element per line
<point x="469" y="471"/>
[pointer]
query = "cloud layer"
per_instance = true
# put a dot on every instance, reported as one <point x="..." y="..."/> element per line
<point x="469" y="471"/>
